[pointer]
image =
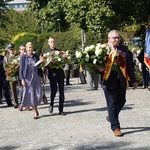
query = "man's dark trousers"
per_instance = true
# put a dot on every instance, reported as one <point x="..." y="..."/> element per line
<point x="115" y="99"/>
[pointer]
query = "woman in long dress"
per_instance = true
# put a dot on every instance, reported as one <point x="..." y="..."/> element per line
<point x="30" y="77"/>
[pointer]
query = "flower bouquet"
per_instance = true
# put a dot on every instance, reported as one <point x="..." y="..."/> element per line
<point x="54" y="59"/>
<point x="93" y="56"/>
<point x="13" y="68"/>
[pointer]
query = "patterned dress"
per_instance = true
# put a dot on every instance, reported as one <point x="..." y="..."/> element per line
<point x="32" y="90"/>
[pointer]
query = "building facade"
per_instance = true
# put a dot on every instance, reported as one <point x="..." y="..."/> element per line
<point x="18" y="5"/>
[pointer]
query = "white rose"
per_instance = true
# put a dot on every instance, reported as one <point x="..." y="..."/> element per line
<point x="48" y="53"/>
<point x="56" y="53"/>
<point x="59" y="59"/>
<point x="78" y="54"/>
<point x="87" y="49"/>
<point x="98" y="52"/>
<point x="94" y="61"/>
<point x="92" y="46"/>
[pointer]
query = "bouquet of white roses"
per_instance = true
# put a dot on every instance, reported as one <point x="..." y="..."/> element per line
<point x="93" y="56"/>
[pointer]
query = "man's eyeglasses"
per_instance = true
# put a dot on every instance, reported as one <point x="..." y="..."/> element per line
<point x="118" y="38"/>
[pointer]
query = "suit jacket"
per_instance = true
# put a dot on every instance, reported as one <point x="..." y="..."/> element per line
<point x="23" y="66"/>
<point x="113" y="79"/>
<point x="2" y="71"/>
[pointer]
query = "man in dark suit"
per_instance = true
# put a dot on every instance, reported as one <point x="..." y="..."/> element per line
<point x="115" y="82"/>
<point x="56" y="76"/>
<point x="4" y="84"/>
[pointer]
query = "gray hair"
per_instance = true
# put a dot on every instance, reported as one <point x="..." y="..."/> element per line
<point x="112" y="31"/>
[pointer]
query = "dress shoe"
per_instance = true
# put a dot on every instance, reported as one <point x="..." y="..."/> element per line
<point x="62" y="113"/>
<point x="16" y="106"/>
<point x="10" y="105"/>
<point x="117" y="132"/>
<point x="50" y="109"/>
<point x="107" y="118"/>
<point x="68" y="84"/>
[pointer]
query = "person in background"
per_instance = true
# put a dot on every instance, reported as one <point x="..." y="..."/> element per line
<point x="12" y="82"/>
<point x="134" y="55"/>
<point x="145" y="72"/>
<point x="82" y="74"/>
<point x="67" y="69"/>
<point x="22" y="51"/>
<point x="30" y="76"/>
<point x="147" y="63"/>
<point x="56" y="76"/>
<point x="4" y="84"/>
<point x="115" y="82"/>
<point x="92" y="80"/>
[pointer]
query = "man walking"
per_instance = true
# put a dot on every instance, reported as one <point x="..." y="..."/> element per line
<point x="115" y="76"/>
<point x="56" y="76"/>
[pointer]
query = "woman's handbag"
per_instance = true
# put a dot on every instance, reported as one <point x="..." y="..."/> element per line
<point x="44" y="98"/>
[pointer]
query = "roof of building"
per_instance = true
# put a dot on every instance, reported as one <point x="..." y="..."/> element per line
<point x="18" y="2"/>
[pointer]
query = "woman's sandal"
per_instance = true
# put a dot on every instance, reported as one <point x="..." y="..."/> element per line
<point x="28" y="108"/>
<point x="37" y="117"/>
<point x="20" y="108"/>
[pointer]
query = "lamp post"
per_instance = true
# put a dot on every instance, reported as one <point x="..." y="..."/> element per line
<point x="58" y="21"/>
<point x="83" y="39"/>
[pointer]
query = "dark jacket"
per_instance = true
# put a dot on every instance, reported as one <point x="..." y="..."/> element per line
<point x="23" y="66"/>
<point x="113" y="79"/>
<point x="2" y="71"/>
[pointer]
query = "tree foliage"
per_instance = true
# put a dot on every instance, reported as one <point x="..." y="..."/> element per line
<point x="17" y="22"/>
<point x="95" y="15"/>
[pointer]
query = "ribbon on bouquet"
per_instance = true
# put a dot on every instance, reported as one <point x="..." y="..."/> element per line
<point x="109" y="65"/>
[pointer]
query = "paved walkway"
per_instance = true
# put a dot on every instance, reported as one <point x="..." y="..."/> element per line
<point x="83" y="128"/>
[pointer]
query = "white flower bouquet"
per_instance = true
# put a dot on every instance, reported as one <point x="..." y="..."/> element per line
<point x="93" y="56"/>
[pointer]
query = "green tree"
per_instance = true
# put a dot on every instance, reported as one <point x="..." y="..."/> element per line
<point x="50" y="14"/>
<point x="18" y="22"/>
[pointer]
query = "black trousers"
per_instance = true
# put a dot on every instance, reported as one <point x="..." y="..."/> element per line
<point x="54" y="81"/>
<point x="4" y="85"/>
<point x="67" y="73"/>
<point x="115" y="99"/>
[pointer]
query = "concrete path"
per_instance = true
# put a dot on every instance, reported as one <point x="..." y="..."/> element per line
<point x="83" y="128"/>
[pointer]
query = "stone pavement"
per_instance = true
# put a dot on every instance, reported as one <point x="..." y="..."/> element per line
<point x="83" y="128"/>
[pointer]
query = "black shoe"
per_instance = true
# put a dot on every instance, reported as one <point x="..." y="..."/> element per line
<point x="16" y="106"/>
<point x="50" y="109"/>
<point x="36" y="117"/>
<point x="62" y="113"/>
<point x="68" y="84"/>
<point x="10" y="105"/>
<point x="107" y="118"/>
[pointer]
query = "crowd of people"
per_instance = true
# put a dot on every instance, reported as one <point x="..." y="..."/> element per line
<point x="31" y="78"/>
